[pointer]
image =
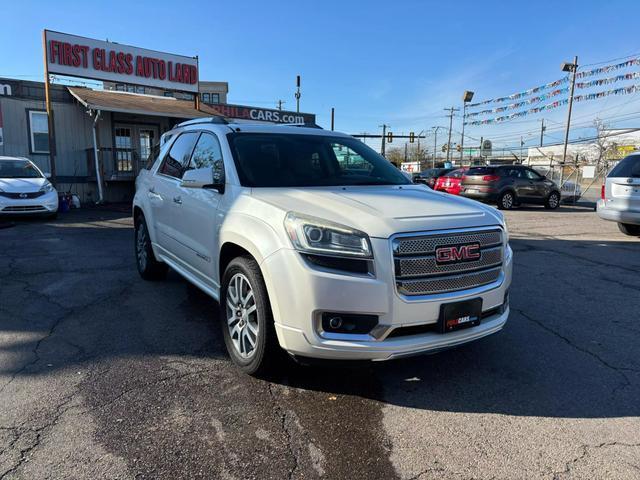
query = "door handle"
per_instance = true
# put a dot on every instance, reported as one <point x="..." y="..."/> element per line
<point x="177" y="200"/>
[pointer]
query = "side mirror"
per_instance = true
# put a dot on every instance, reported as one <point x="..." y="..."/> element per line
<point x="203" y="178"/>
<point x="197" y="178"/>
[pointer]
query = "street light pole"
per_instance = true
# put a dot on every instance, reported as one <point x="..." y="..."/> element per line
<point x="568" y="67"/>
<point x="466" y="97"/>
<point x="298" y="95"/>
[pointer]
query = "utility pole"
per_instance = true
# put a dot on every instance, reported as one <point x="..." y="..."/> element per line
<point x="333" y="112"/>
<point x="450" y="110"/>
<point x="435" y="146"/>
<point x="405" y="152"/>
<point x="542" y="129"/>
<point x="298" y="93"/>
<point x="280" y="102"/>
<point x="384" y="138"/>
<point x="568" y="67"/>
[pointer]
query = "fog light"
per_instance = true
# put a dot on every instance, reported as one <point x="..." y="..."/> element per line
<point x="348" y="323"/>
<point x="335" y="322"/>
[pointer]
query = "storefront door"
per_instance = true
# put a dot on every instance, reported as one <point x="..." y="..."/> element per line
<point x="133" y="144"/>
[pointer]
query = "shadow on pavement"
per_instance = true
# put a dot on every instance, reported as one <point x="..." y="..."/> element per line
<point x="570" y="349"/>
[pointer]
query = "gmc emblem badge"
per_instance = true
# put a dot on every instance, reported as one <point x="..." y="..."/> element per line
<point x="457" y="253"/>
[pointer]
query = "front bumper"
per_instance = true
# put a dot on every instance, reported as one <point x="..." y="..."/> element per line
<point x="299" y="293"/>
<point x="44" y="204"/>
<point x="606" y="212"/>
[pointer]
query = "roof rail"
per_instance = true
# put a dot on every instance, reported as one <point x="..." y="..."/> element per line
<point x="213" y="119"/>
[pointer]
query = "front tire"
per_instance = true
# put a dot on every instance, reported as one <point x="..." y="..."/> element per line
<point x="629" y="229"/>
<point x="553" y="201"/>
<point x="506" y="200"/>
<point x="148" y="266"/>
<point x="246" y="318"/>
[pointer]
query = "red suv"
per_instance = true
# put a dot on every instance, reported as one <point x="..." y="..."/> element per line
<point x="450" y="182"/>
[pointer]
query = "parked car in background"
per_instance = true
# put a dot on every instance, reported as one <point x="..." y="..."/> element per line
<point x="620" y="197"/>
<point x="25" y="190"/>
<point x="430" y="176"/>
<point x="509" y="185"/>
<point x="450" y="182"/>
<point x="315" y="255"/>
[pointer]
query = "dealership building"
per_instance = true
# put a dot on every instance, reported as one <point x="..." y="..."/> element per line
<point x="113" y="128"/>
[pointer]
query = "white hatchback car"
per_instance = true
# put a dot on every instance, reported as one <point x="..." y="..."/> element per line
<point x="620" y="199"/>
<point x="24" y="189"/>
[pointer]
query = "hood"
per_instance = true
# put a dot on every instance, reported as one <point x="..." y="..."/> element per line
<point x="382" y="211"/>
<point x="19" y="185"/>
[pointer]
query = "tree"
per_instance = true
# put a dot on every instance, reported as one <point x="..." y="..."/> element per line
<point x="606" y="149"/>
<point x="395" y="155"/>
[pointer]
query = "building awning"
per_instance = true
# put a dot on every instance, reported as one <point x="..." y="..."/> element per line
<point x="137" y="104"/>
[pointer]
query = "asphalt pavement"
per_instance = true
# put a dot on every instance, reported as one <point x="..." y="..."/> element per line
<point x="104" y="375"/>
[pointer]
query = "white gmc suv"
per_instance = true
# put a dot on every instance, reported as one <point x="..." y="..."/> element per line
<point x="312" y="242"/>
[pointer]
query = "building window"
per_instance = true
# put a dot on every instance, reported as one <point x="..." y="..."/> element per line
<point x="215" y="98"/>
<point x="39" y="131"/>
<point x="206" y="98"/>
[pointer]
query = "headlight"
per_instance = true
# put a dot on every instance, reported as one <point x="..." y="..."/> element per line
<point x="314" y="235"/>
<point x="47" y="187"/>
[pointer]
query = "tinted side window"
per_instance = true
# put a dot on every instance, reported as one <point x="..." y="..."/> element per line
<point x="628" y="167"/>
<point x="531" y="175"/>
<point x="177" y="159"/>
<point x="208" y="154"/>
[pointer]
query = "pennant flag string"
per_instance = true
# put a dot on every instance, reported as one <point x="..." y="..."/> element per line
<point x="579" y="75"/>
<point x="514" y="106"/>
<point x="608" y="68"/>
<point x="606" y="81"/>
<point x="525" y="93"/>
<point x="577" y="98"/>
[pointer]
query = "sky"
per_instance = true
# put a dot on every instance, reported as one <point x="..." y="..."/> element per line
<point x="399" y="63"/>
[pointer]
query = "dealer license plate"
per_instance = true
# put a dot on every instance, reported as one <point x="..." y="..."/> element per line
<point x="459" y="315"/>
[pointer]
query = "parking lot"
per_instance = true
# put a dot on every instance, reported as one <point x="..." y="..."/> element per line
<point x="103" y="375"/>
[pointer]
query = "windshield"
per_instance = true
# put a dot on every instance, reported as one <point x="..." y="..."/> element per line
<point x="18" y="169"/>
<point x="294" y="160"/>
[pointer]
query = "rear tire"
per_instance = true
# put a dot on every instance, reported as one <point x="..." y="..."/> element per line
<point x="246" y="318"/>
<point x="553" y="201"/>
<point x="629" y="229"/>
<point x="148" y="266"/>
<point x="506" y="200"/>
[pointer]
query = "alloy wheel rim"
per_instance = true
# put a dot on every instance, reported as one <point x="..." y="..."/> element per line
<point x="242" y="316"/>
<point x="141" y="250"/>
<point x="553" y="201"/>
<point x="507" y="200"/>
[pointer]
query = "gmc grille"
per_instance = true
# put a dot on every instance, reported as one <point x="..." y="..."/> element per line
<point x="418" y="273"/>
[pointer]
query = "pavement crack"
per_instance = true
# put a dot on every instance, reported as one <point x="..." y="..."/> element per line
<point x="585" y="453"/>
<point x="619" y="370"/>
<point x="284" y="421"/>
